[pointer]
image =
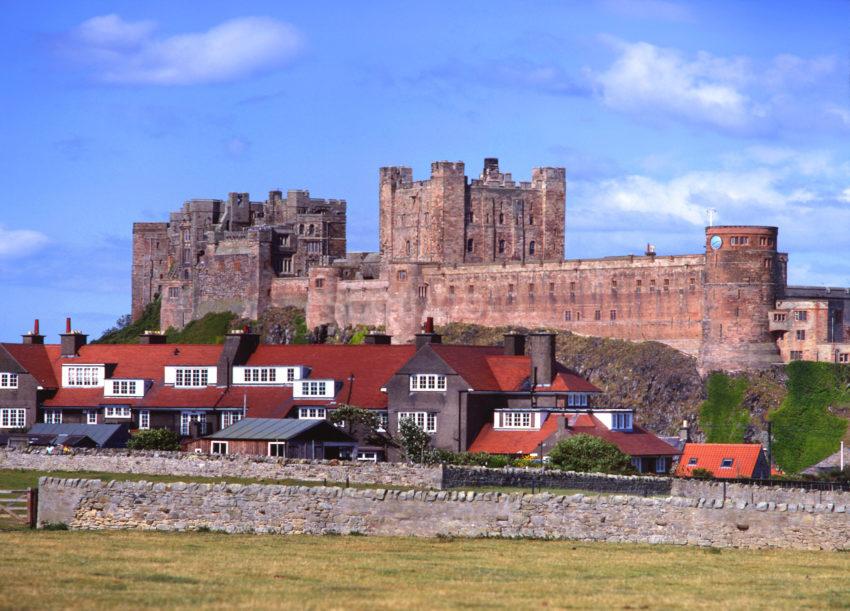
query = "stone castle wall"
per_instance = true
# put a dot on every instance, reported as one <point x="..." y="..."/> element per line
<point x="96" y="505"/>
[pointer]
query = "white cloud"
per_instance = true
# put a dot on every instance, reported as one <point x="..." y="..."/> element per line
<point x="20" y="242"/>
<point x="122" y="52"/>
<point x="845" y="195"/>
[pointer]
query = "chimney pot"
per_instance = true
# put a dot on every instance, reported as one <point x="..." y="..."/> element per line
<point x="68" y="324"/>
<point x="35" y="327"/>
<point x="428" y="327"/>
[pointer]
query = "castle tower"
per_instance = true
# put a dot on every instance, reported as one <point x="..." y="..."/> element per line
<point x="552" y="183"/>
<point x="743" y="277"/>
<point x="150" y="264"/>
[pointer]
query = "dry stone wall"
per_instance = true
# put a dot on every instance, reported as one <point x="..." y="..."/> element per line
<point x="96" y="505"/>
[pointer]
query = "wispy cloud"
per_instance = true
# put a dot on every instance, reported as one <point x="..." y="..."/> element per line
<point x="20" y="242"/>
<point x="237" y="146"/>
<point x="116" y="51"/>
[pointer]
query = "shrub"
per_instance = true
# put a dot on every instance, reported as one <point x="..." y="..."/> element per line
<point x="155" y="439"/>
<point x="702" y="473"/>
<point x="414" y="441"/>
<point x="587" y="453"/>
<point x="722" y="416"/>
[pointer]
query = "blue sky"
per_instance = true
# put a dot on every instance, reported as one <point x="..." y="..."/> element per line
<point x="118" y="112"/>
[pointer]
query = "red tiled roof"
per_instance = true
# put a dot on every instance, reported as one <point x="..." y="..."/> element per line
<point x="745" y="457"/>
<point x="36" y="359"/>
<point x="638" y="442"/>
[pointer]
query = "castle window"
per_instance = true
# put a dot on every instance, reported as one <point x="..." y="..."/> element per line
<point x="666" y="285"/>
<point x="186" y="235"/>
<point x="762" y="241"/>
<point x="501" y="218"/>
<point x="501" y="246"/>
<point x="801" y="334"/>
<point x="401" y="275"/>
<point x="844" y="357"/>
<point x="693" y="284"/>
<point x="531" y="219"/>
<point x="638" y="284"/>
<point x="796" y="355"/>
<point x="613" y="314"/>
<point x="301" y="228"/>
<point x="652" y="286"/>
<point x="469" y="217"/>
<point x="614" y="286"/>
<point x="800" y="315"/>
<point x="768" y="263"/>
<point x="470" y="290"/>
<point x="578" y="315"/>
<point x="572" y="286"/>
<point x="531" y="287"/>
<point x="187" y="255"/>
<point x="597" y="315"/>
<point x="173" y="292"/>
<point x="407" y="248"/>
<point x="779" y="317"/>
<point x="423" y="291"/>
<point x="314" y="248"/>
<point x="470" y="245"/>
<point x="320" y="282"/>
<point x="531" y="247"/>
<point x="286" y="265"/>
<point x="451" y="289"/>
<point x="551" y="288"/>
<point x="311" y="229"/>
<point x="510" y="288"/>
<point x="568" y="316"/>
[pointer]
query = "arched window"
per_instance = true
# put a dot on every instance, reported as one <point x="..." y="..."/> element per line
<point x="531" y="247"/>
<point x="501" y="246"/>
<point x="301" y="229"/>
<point x="470" y="245"/>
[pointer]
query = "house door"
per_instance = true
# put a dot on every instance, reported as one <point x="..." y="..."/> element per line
<point x="187" y="418"/>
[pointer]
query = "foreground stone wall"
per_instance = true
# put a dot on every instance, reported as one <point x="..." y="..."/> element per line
<point x="205" y="465"/>
<point x="95" y="505"/>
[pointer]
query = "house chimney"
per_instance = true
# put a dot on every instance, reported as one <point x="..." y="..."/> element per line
<point x="152" y="337"/>
<point x="71" y="341"/>
<point x="685" y="432"/>
<point x="428" y="336"/>
<point x="33" y="337"/>
<point x="541" y="349"/>
<point x="238" y="346"/>
<point x="514" y="344"/>
<point x="378" y="338"/>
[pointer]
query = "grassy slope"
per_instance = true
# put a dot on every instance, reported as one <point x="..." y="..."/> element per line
<point x="165" y="570"/>
<point x="148" y="321"/>
<point x="723" y="416"/>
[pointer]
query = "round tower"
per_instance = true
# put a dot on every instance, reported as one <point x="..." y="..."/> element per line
<point x="742" y="280"/>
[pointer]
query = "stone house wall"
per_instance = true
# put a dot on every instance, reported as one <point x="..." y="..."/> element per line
<point x="96" y="505"/>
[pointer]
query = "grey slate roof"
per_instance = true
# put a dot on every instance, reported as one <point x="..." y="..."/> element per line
<point x="99" y="433"/>
<point x="266" y="428"/>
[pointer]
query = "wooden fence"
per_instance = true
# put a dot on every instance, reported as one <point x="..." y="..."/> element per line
<point x="19" y="506"/>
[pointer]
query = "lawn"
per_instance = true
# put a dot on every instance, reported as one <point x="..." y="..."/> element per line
<point x="77" y="569"/>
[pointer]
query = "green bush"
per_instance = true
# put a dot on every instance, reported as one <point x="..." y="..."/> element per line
<point x="587" y="453"/>
<point x="804" y="431"/>
<point x="155" y="439"/>
<point x="702" y="473"/>
<point x="413" y="440"/>
<point x="722" y="416"/>
<point x="123" y="333"/>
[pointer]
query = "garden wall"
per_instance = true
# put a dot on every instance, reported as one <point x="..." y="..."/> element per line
<point x="752" y="493"/>
<point x="96" y="505"/>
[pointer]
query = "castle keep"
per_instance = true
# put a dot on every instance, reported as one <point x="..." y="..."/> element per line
<point x="488" y="251"/>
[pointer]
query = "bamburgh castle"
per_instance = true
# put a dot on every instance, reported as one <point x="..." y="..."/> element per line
<point x="489" y="251"/>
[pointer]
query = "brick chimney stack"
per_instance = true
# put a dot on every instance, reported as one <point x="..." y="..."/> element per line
<point x="152" y="337"/>
<point x="428" y="336"/>
<point x="514" y="344"/>
<point x="72" y="340"/>
<point x="378" y="338"/>
<point x="33" y="337"/>
<point x="541" y="349"/>
<point x="238" y="345"/>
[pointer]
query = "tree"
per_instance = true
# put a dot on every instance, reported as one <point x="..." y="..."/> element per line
<point x="413" y="440"/>
<point x="588" y="453"/>
<point x="363" y="423"/>
<point x="155" y="439"/>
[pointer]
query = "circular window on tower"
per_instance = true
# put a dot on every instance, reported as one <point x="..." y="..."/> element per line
<point x="716" y="242"/>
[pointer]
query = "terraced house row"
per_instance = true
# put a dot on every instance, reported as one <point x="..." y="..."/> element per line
<point x="514" y="399"/>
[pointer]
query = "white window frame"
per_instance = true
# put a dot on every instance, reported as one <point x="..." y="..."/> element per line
<point x="427" y="382"/>
<point x="367" y="456"/>
<point x="663" y="461"/>
<point x="516" y="420"/>
<point x="576" y="399"/>
<point x="8" y="380"/>
<point x="225" y="445"/>
<point x="144" y="419"/>
<point x="124" y="388"/>
<point x="277" y="444"/>
<point x="13" y="418"/>
<point x="53" y="416"/>
<point x="91" y="416"/>
<point x="312" y="413"/>
<point x="191" y="377"/>
<point x="314" y="389"/>
<point x="384" y="422"/>
<point x="622" y="421"/>
<point x="259" y="375"/>
<point x="231" y="417"/>
<point x="83" y="376"/>
<point x="729" y="466"/>
<point x="189" y="416"/>
<point x="427" y="421"/>
<point x="117" y="411"/>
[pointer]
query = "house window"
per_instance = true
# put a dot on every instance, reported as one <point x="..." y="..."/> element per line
<point x="621" y="421"/>
<point x="120" y="411"/>
<point x="568" y="316"/>
<point x="501" y="246"/>
<point x="277" y="448"/>
<point x="230" y="418"/>
<point x="844" y="357"/>
<point x="470" y="245"/>
<point x="187" y="418"/>
<point x="515" y="420"/>
<point x="83" y="376"/>
<point x="219" y="447"/>
<point x="314" y="389"/>
<point x="800" y="315"/>
<point x="13" y="418"/>
<point x="401" y="275"/>
<point x="290" y="374"/>
<point x="692" y="461"/>
<point x="531" y="246"/>
<point x="383" y="422"/>
<point x="427" y="381"/>
<point x="613" y="314"/>
<point x="597" y="315"/>
<point x="123" y="387"/>
<point x="661" y="465"/>
<point x="312" y="413"/>
<point x="91" y="417"/>
<point x="796" y="355"/>
<point x="53" y="416"/>
<point x="726" y="463"/>
<point x="260" y="374"/>
<point x="367" y="456"/>
<point x="577" y="399"/>
<point x="801" y="334"/>
<point x="424" y="420"/>
<point x="8" y="380"/>
<point x="187" y="377"/>
<point x="144" y="419"/>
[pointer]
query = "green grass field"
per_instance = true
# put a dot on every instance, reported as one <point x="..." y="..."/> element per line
<point x="161" y="570"/>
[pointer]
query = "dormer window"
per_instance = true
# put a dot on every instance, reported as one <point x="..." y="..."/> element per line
<point x="427" y="382"/>
<point x="124" y="388"/>
<point x="726" y="463"/>
<point x="621" y="421"/>
<point x="8" y="380"/>
<point x="514" y="420"/>
<point x="692" y="461"/>
<point x="575" y="399"/>
<point x="314" y="389"/>
<point x="191" y="377"/>
<point x="83" y="376"/>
